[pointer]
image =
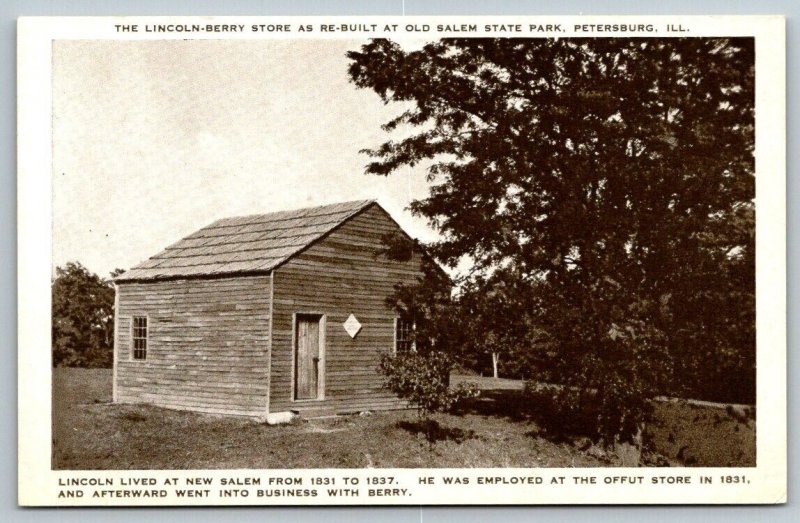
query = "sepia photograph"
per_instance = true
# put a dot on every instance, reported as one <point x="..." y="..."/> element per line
<point x="402" y="261"/>
<point x="574" y="284"/>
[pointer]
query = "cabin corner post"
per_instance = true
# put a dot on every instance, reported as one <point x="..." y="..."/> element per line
<point x="115" y="353"/>
<point x="269" y="338"/>
<point x="323" y="328"/>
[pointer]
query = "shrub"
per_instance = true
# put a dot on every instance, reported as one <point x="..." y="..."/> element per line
<point x="423" y="380"/>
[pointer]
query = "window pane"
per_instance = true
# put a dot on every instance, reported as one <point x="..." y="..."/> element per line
<point x="403" y="335"/>
<point x="139" y="337"/>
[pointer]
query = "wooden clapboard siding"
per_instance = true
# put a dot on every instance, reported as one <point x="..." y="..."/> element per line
<point x="221" y="328"/>
<point x="338" y="276"/>
<point x="207" y="348"/>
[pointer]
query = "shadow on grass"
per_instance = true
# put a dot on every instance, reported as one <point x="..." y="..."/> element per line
<point x="434" y="432"/>
<point x="510" y="404"/>
<point x="134" y="416"/>
<point x="684" y="435"/>
<point x="552" y="421"/>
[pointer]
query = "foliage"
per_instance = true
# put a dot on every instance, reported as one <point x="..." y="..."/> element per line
<point x="492" y="323"/>
<point x="618" y="414"/>
<point x="613" y="178"/>
<point x="423" y="379"/>
<point x="83" y="318"/>
<point x="426" y="303"/>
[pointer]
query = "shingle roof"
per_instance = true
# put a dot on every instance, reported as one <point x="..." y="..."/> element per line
<point x="257" y="243"/>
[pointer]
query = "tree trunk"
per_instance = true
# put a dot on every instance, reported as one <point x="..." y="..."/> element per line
<point x="495" y="361"/>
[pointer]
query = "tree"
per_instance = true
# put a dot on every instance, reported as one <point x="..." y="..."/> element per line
<point x="427" y="304"/>
<point x="493" y="320"/>
<point x="614" y="176"/>
<point x="83" y="317"/>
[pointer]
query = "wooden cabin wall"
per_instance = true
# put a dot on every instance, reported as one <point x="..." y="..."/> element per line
<point x="338" y="276"/>
<point x="207" y="345"/>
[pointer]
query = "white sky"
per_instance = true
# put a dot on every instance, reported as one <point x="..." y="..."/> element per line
<point x="154" y="140"/>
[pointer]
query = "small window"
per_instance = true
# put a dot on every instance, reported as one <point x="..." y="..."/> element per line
<point x="139" y="337"/>
<point x="403" y="335"/>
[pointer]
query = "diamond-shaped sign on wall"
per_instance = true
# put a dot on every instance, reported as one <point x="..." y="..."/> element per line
<point x="352" y="326"/>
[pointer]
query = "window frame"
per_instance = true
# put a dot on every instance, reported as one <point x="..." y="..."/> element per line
<point x="134" y="338"/>
<point x="407" y="339"/>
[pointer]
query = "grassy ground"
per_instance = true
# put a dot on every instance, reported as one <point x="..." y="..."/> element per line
<point x="683" y="433"/>
<point x="91" y="433"/>
<point x="703" y="436"/>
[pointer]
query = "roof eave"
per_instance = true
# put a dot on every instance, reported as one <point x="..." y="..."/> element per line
<point x="217" y="276"/>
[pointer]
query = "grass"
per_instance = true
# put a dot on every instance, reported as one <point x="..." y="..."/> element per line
<point x="683" y="433"/>
<point x="91" y="433"/>
<point x="703" y="436"/>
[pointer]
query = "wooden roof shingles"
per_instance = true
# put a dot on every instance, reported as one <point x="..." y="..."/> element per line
<point x="245" y="244"/>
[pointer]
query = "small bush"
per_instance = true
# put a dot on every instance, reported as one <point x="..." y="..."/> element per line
<point x="423" y="380"/>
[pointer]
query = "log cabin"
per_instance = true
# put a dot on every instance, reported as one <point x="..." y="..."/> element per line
<point x="271" y="316"/>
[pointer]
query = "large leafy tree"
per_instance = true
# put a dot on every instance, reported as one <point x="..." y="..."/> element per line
<point x="614" y="176"/>
<point x="83" y="317"/>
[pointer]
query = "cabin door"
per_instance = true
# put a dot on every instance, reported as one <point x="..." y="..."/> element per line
<point x="308" y="344"/>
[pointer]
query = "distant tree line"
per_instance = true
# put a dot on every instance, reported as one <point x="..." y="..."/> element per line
<point x="83" y="317"/>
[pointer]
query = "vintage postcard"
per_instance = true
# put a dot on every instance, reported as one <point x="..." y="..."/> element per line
<point x="401" y="260"/>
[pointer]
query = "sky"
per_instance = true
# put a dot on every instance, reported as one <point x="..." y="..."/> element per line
<point x="153" y="140"/>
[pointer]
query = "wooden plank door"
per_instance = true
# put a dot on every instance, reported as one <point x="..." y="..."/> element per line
<point x="307" y="358"/>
